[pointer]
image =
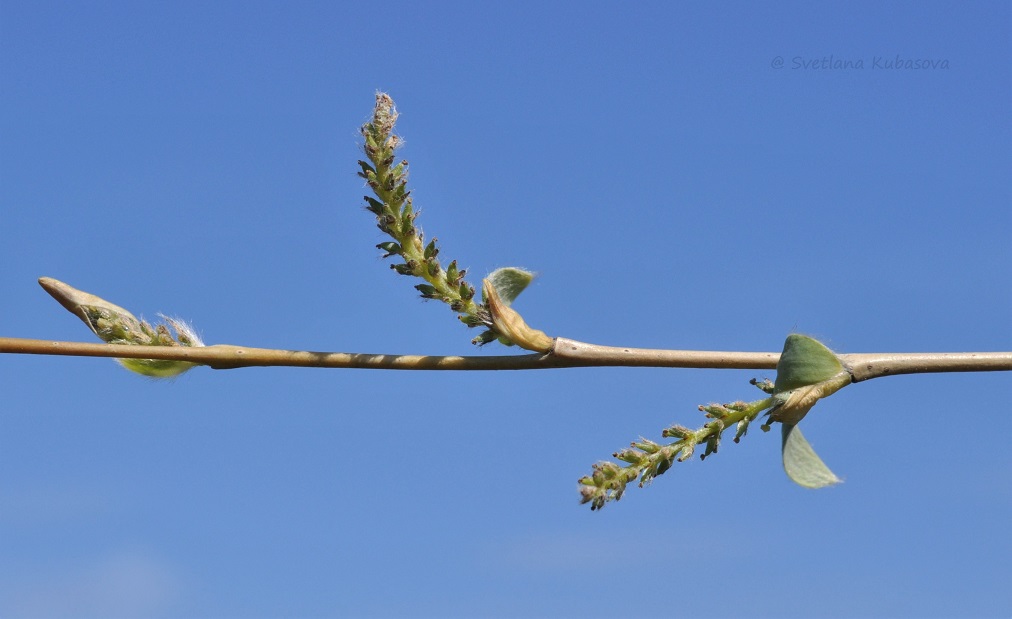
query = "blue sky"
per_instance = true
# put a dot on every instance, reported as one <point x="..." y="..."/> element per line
<point x="681" y="175"/>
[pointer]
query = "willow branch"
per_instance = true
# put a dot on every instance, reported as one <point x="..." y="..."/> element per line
<point x="864" y="366"/>
<point x="566" y="354"/>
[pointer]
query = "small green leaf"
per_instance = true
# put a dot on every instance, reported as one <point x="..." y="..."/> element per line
<point x="156" y="368"/>
<point x="801" y="463"/>
<point x="509" y="282"/>
<point x="805" y="361"/>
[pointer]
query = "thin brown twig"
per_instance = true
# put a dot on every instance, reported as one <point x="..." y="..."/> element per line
<point x="566" y="354"/>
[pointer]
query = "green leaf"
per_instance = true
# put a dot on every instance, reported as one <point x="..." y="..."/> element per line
<point x="156" y="368"/>
<point x="805" y="361"/>
<point x="801" y="463"/>
<point x="509" y="282"/>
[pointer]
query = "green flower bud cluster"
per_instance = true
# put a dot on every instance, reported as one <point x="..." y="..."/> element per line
<point x="646" y="459"/>
<point x="806" y="373"/>
<point x="395" y="216"/>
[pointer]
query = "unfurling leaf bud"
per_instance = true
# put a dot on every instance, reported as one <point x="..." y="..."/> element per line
<point x="509" y="282"/>
<point x="115" y="325"/>
<point x="509" y="324"/>
<point x="807" y="372"/>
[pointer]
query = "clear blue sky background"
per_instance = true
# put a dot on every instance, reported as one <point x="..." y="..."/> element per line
<point x="673" y="186"/>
